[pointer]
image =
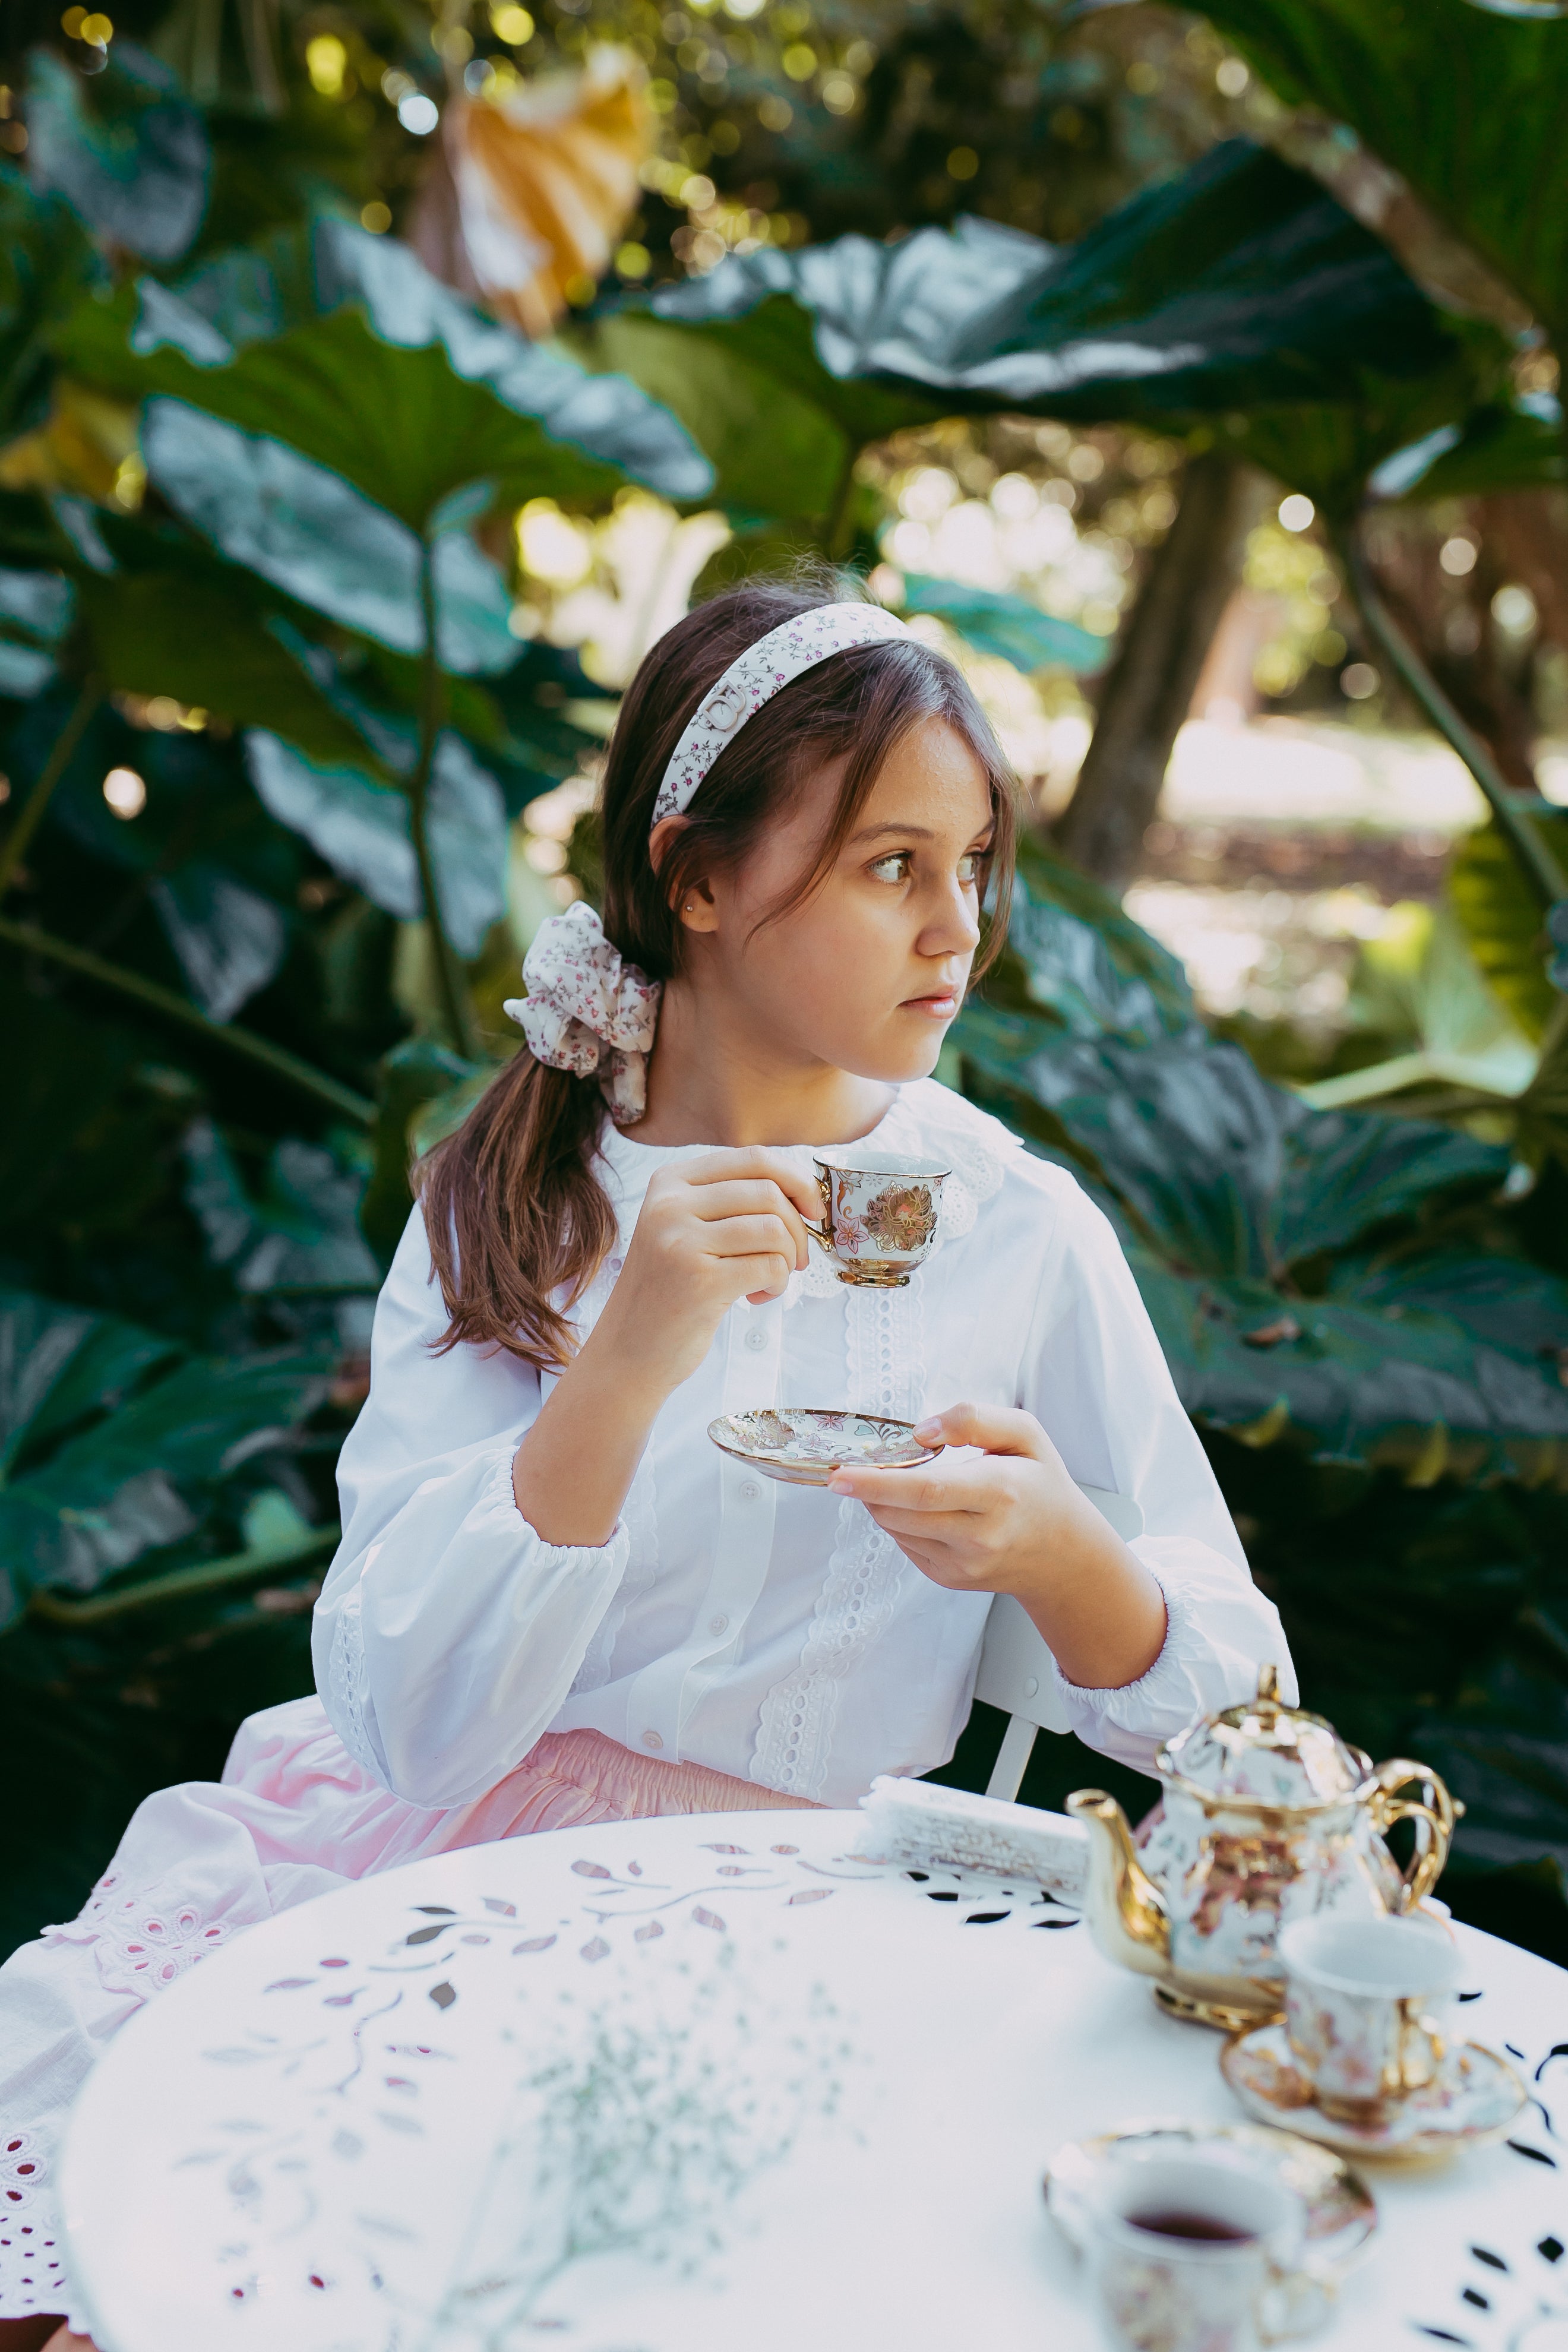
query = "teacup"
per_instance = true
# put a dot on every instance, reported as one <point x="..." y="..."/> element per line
<point x="1369" y="2003"/>
<point x="1189" y="2254"/>
<point x="880" y="1216"/>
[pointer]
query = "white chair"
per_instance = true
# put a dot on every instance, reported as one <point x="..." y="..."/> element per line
<point x="1016" y="1664"/>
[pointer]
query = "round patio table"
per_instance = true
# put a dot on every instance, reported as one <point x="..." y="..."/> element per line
<point x="672" y="2085"/>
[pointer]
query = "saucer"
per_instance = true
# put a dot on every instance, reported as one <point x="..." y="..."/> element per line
<point x="1341" y="2214"/>
<point x="804" y="1445"/>
<point x="1475" y="2102"/>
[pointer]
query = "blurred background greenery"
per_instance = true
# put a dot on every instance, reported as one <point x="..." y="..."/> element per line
<point x="376" y="382"/>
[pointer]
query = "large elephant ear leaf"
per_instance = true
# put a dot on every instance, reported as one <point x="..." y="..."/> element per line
<point x="47" y="264"/>
<point x="1075" y="955"/>
<point x="127" y="152"/>
<point x="382" y="376"/>
<point x="149" y="1473"/>
<point x="1242" y="282"/>
<point x="362" y="831"/>
<point x="775" y="450"/>
<point x="299" y="525"/>
<point x="61" y="1365"/>
<point x="1468" y="103"/>
<point x="1501" y="920"/>
<point x="1010" y="627"/>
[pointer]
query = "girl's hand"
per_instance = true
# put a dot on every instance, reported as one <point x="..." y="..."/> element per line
<point x="1014" y="1522"/>
<point x="728" y="1226"/>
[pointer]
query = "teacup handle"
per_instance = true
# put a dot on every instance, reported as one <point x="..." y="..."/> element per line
<point x="1434" y="1814"/>
<point x="1295" y="2304"/>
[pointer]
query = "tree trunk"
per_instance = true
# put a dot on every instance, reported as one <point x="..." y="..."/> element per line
<point x="1150" y="687"/>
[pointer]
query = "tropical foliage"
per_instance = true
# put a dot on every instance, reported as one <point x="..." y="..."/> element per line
<point x="266" y="728"/>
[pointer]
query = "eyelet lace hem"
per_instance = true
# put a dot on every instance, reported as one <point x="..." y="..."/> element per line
<point x="139" y="1942"/>
<point x="32" y="2264"/>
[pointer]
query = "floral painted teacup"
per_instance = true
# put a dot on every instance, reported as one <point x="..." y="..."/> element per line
<point x="880" y="1217"/>
<point x="1369" y="2003"/>
<point x="1189" y="2255"/>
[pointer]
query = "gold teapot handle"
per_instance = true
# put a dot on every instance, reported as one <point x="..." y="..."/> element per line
<point x="1434" y="1812"/>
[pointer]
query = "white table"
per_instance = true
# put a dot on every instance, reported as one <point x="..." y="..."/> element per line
<point x="326" y="2138"/>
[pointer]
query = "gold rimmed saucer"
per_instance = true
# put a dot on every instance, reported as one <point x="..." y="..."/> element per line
<point x="1474" y="2101"/>
<point x="1339" y="2210"/>
<point x="804" y="1445"/>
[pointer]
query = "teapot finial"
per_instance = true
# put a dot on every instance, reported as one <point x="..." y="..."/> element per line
<point x="1268" y="1687"/>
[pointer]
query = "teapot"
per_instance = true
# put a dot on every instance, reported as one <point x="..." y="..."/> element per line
<point x="1266" y="1815"/>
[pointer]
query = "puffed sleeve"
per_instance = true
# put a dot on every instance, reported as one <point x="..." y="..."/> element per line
<point x="448" y="1633"/>
<point x="1094" y="1375"/>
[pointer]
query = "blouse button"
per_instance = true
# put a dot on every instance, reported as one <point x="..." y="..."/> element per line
<point x="750" y="1490"/>
<point x="616" y="1264"/>
<point x="756" y="1340"/>
<point x="1031" y="1687"/>
<point x="718" y="1624"/>
<point x="651" y="1740"/>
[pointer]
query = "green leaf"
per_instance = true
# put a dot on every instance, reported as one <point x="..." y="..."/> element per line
<point x="381" y="374"/>
<point x="46" y="264"/>
<point x="1468" y="106"/>
<point x="1501" y="920"/>
<point x="1420" y="990"/>
<point x="774" y="448"/>
<point x="147" y="1474"/>
<point x="362" y="831"/>
<point x="197" y="631"/>
<point x="127" y="151"/>
<point x="1242" y="282"/>
<point x="415" y="1072"/>
<point x="1504" y="446"/>
<point x="302" y="1235"/>
<point x="1073" y="954"/>
<point x="1008" y="626"/>
<point x="60" y="1365"/>
<point x="1331" y="450"/>
<point x="297" y="525"/>
<point x="1232" y="1197"/>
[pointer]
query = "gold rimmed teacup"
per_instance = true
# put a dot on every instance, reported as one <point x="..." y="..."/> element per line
<point x="880" y="1216"/>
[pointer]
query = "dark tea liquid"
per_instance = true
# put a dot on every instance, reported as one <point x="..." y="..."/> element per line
<point x="1170" y="2221"/>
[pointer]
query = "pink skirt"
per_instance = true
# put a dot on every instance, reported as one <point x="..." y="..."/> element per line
<point x="292" y="1817"/>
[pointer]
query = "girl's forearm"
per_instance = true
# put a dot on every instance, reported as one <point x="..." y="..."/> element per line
<point x="571" y="1473"/>
<point x="1098" y="1608"/>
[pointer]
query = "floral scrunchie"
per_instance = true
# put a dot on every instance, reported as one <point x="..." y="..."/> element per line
<point x="588" y="1010"/>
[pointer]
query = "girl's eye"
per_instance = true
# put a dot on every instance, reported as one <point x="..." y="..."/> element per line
<point x="895" y="867"/>
<point x="969" y="865"/>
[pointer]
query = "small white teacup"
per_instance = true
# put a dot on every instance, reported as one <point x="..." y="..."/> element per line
<point x="1193" y="2255"/>
<point x="881" y="1215"/>
<point x="1369" y="2004"/>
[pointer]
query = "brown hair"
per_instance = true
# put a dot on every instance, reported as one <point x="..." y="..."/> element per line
<point x="515" y="1215"/>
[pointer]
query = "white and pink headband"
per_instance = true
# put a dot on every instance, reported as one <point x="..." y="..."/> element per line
<point x="586" y="1009"/>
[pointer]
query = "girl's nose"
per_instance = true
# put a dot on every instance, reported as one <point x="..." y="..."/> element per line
<point x="952" y="928"/>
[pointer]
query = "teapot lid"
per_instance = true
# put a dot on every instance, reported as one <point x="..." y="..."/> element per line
<point x="1266" y="1753"/>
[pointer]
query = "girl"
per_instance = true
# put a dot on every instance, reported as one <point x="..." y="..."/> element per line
<point x="556" y="1602"/>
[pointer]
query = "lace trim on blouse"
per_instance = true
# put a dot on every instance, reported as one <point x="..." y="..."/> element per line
<point x="344" y="1696"/>
<point x="886" y="1347"/>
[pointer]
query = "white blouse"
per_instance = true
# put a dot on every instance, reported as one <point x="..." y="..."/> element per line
<point x="770" y="1631"/>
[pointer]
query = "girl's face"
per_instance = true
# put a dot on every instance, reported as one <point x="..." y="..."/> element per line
<point x="866" y="973"/>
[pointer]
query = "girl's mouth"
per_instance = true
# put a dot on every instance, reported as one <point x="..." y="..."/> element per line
<point x="939" y="1007"/>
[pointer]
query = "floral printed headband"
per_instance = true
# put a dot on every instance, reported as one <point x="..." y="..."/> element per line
<point x="587" y="1010"/>
<point x="754" y="679"/>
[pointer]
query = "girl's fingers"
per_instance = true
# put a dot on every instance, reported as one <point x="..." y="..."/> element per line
<point x="757" y="1161"/>
<point x="996" y="1427"/>
<point x="753" y="1237"/>
<point x="911" y="1490"/>
<point x="765" y="1277"/>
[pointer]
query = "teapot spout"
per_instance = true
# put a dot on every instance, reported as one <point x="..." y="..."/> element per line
<point x="1125" y="1909"/>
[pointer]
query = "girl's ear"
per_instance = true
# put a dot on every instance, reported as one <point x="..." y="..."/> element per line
<point x="663" y="838"/>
